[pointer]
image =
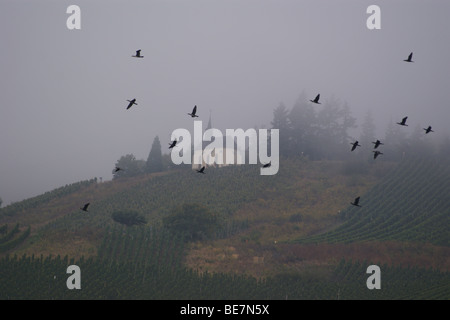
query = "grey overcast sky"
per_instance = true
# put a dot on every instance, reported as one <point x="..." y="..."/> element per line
<point x="63" y="92"/>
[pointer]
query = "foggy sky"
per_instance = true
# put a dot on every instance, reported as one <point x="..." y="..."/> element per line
<point x="64" y="92"/>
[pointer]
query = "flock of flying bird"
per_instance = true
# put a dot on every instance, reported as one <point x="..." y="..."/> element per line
<point x="377" y="143"/>
<point x="355" y="144"/>
<point x="172" y="144"/>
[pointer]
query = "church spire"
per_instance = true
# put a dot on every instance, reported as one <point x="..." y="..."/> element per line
<point x="209" y="122"/>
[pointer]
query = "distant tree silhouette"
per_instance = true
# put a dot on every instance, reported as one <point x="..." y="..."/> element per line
<point x="194" y="221"/>
<point x="334" y="120"/>
<point x="130" y="167"/>
<point x="281" y="122"/>
<point x="303" y="128"/>
<point x="318" y="132"/>
<point x="154" y="160"/>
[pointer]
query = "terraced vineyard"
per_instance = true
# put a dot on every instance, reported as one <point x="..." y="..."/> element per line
<point x="45" y="278"/>
<point x="159" y="195"/>
<point x="12" y="238"/>
<point x="410" y="204"/>
<point x="141" y="245"/>
<point x="146" y="262"/>
<point x="55" y="217"/>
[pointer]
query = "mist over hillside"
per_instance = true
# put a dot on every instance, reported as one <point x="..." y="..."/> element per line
<point x="64" y="116"/>
<point x="111" y="112"/>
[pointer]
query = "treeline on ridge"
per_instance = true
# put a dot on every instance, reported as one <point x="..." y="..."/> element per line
<point x="316" y="133"/>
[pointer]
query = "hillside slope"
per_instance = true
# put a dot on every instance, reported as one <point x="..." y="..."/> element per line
<point x="301" y="188"/>
<point x="305" y="205"/>
<point x="298" y="227"/>
<point x="412" y="203"/>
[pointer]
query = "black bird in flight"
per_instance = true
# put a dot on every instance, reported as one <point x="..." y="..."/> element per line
<point x="174" y="142"/>
<point x="117" y="169"/>
<point x="376" y="154"/>
<point x="316" y="100"/>
<point x="377" y="144"/>
<point x="403" y="122"/>
<point x="131" y="102"/>
<point x="267" y="165"/>
<point x="138" y="54"/>
<point x="409" y="58"/>
<point x="202" y="170"/>
<point x="356" y="202"/>
<point x="428" y="130"/>
<point x="355" y="144"/>
<point x="194" y="111"/>
<point x="84" y="208"/>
